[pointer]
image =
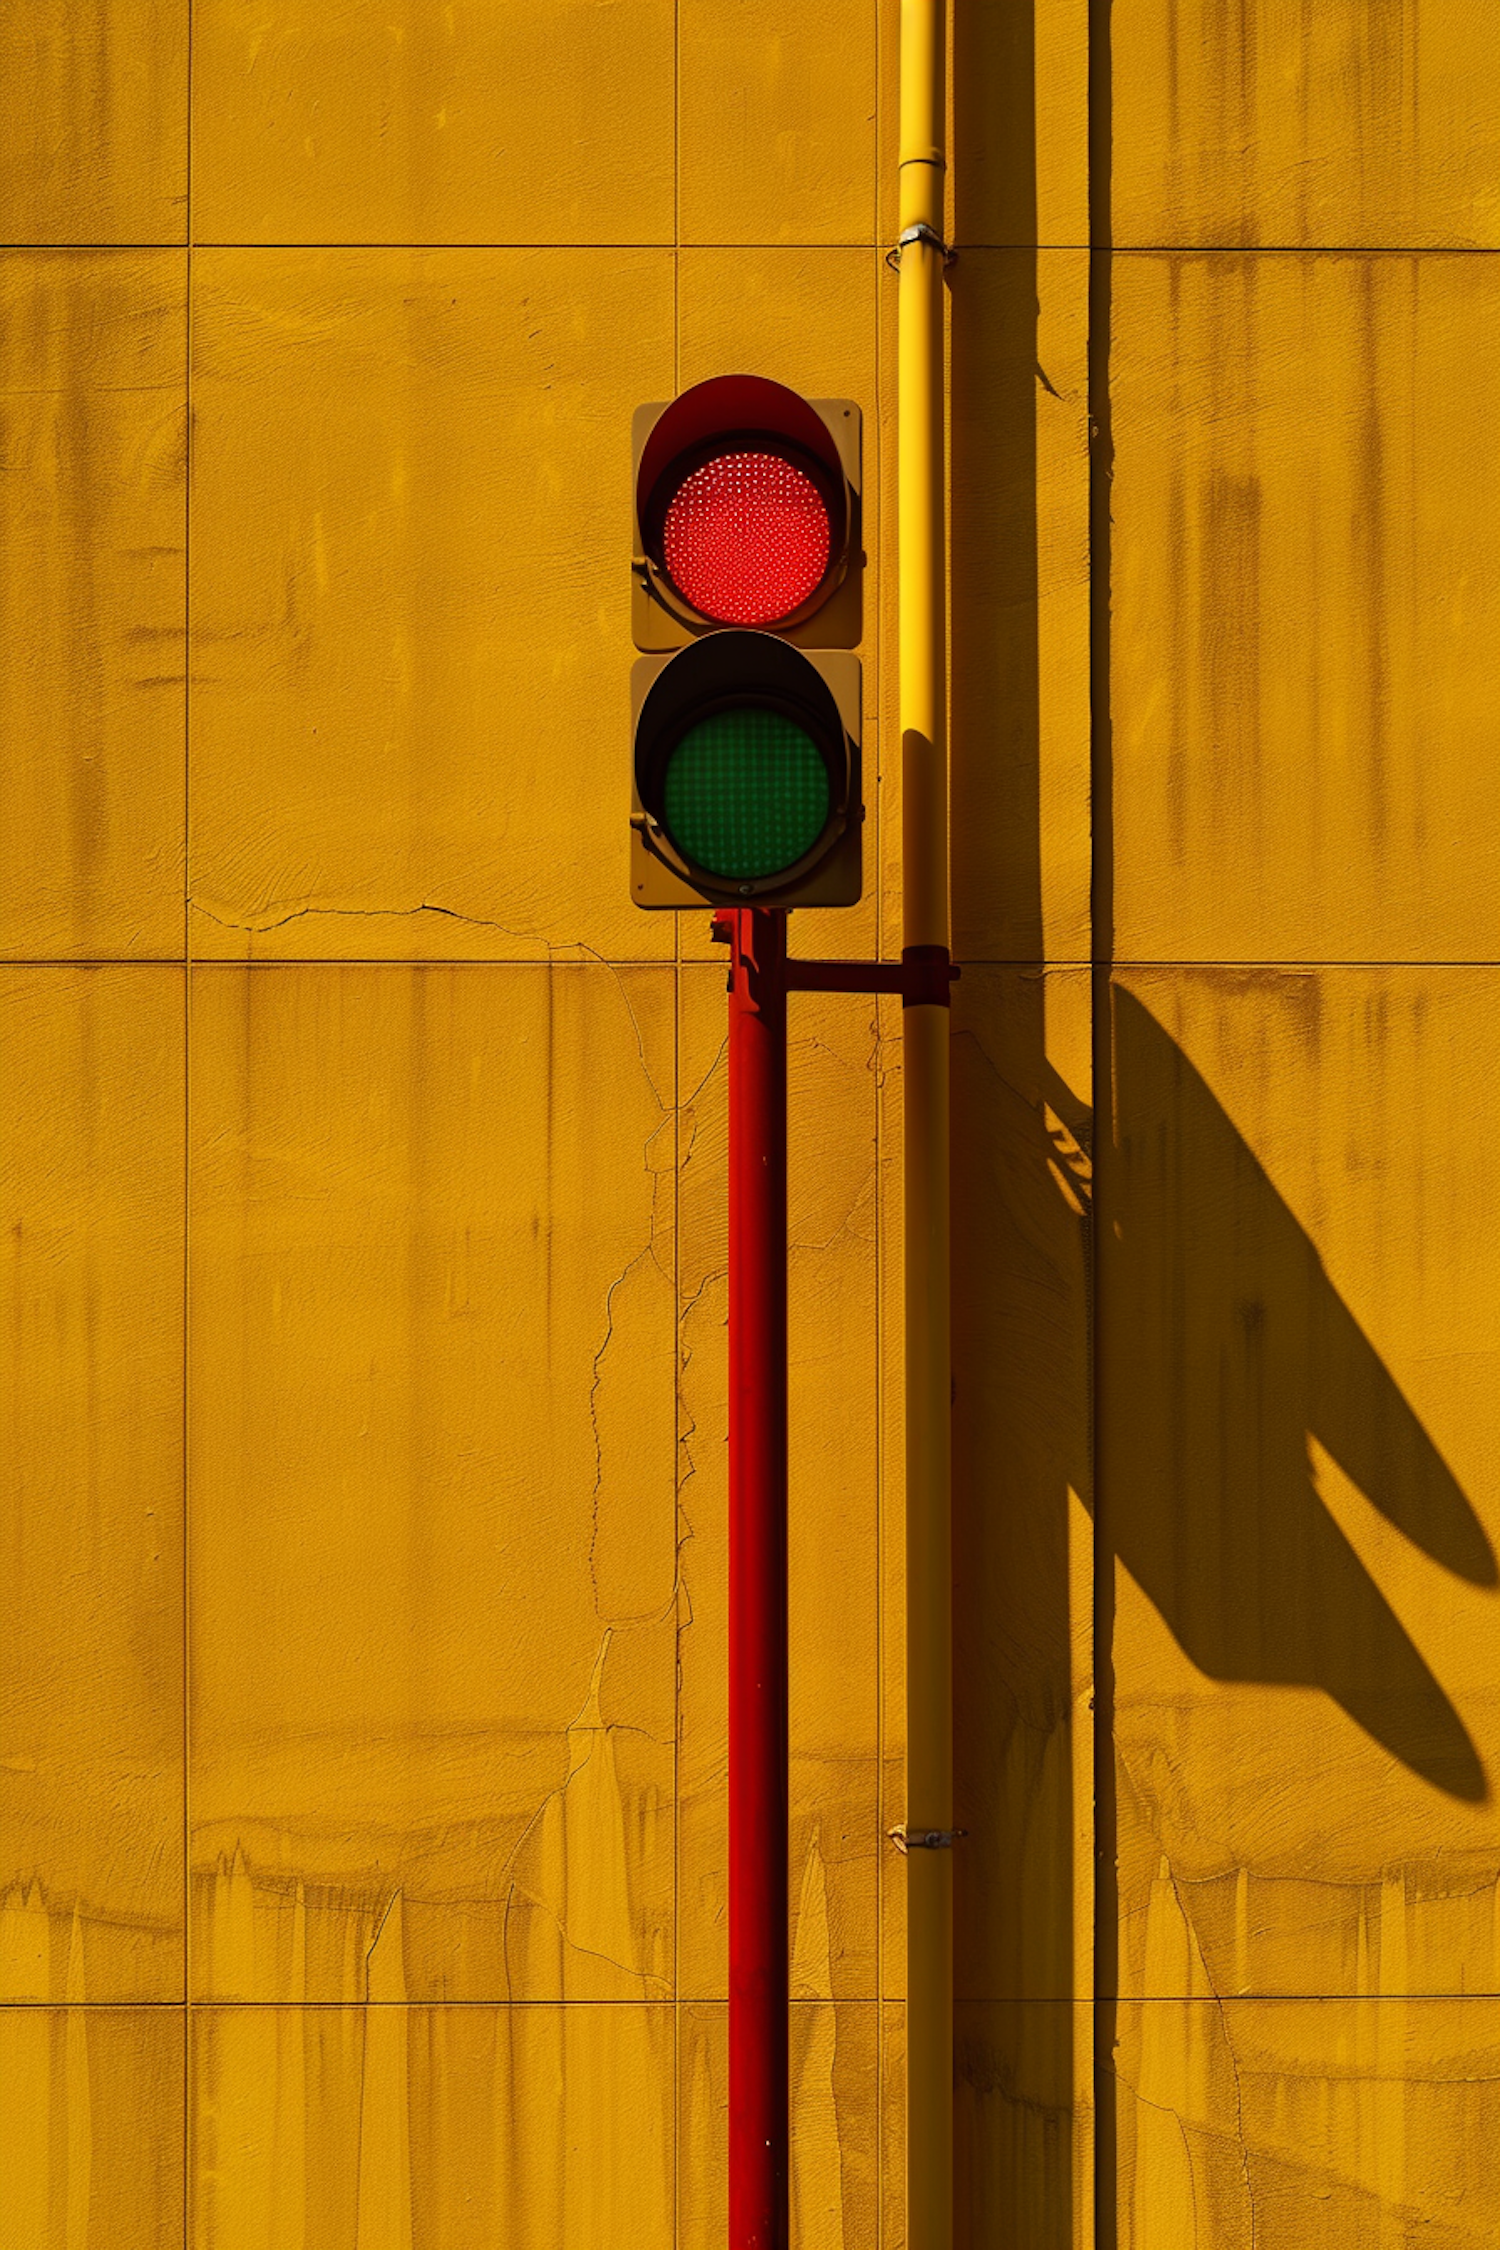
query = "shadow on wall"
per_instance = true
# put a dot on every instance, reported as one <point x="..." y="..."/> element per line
<point x="1229" y="1350"/>
<point x="1020" y="1252"/>
<point x="1225" y="1348"/>
<point x="1226" y="1354"/>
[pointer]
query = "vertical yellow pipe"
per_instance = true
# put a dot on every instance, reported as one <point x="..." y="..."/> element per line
<point x="924" y="769"/>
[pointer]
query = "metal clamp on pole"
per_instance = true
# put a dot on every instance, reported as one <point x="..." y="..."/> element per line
<point x="927" y="972"/>
<point x="925" y="1839"/>
<point x="921" y="232"/>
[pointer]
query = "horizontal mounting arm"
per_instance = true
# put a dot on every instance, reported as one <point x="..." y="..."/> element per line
<point x="922" y="976"/>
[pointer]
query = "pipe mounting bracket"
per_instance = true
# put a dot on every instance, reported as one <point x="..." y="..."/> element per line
<point x="921" y="232"/>
<point x="925" y="1839"/>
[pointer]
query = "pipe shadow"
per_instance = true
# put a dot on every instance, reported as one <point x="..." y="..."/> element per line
<point x="1020" y="1276"/>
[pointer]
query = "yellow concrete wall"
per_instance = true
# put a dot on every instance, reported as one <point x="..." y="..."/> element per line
<point x="362" y="1149"/>
<point x="1297" y="1310"/>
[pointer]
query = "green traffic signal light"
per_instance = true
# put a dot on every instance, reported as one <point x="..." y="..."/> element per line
<point x="746" y="774"/>
<point x="745" y="793"/>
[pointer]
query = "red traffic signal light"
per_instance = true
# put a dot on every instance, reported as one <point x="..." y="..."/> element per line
<point x="745" y="537"/>
<point x="747" y="512"/>
<point x="747" y="565"/>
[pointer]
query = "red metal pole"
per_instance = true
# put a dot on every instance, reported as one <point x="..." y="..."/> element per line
<point x="758" y="1964"/>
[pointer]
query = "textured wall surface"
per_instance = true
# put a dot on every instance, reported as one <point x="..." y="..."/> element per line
<point x="362" y="1150"/>
<point x="1298" y="1310"/>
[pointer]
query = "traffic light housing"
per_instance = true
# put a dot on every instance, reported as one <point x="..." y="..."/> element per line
<point x="747" y="594"/>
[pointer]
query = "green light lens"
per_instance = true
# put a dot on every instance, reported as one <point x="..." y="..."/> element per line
<point x="745" y="793"/>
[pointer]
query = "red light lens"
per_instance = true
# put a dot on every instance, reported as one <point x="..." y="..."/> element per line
<point x="746" y="538"/>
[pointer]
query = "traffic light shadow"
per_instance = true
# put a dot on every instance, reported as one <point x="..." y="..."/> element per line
<point x="1227" y="1359"/>
<point x="1226" y="1351"/>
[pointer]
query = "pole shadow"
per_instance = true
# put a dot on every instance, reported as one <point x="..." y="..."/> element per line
<point x="1020" y="1273"/>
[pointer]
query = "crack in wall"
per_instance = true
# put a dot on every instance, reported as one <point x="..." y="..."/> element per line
<point x="862" y="1200"/>
<point x="606" y="1893"/>
<point x="264" y="925"/>
<point x="1229" y="2049"/>
<point x="596" y="1495"/>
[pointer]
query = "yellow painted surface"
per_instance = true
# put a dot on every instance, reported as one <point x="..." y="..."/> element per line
<point x="91" y="1687"/>
<point x="433" y="1424"/>
<point x="374" y="2128"/>
<point x="1018" y="126"/>
<point x="355" y="2128"/>
<point x="372" y="122"/>
<point x="1309" y="127"/>
<point x="838" y="2177"/>
<point x="92" y="693"/>
<point x="1020" y="610"/>
<point x="96" y="111"/>
<point x="1301" y="1475"/>
<point x="838" y="1865"/>
<point x="434" y="1287"/>
<point x="1022" y="1602"/>
<point x="93" y="2103"/>
<point x="1023" y="2103"/>
<point x="1022" y="1573"/>
<point x="1305" y="592"/>
<point x="1283" y="2122"/>
<point x="778" y="118"/>
<point x="402" y="741"/>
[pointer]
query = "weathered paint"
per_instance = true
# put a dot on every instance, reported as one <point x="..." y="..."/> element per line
<point x="93" y="696"/>
<point x="1279" y="2122"/>
<point x="415" y="123"/>
<point x="393" y="1257"/>
<point x="1302" y="1285"/>
<point x="91" y="1659"/>
<point x="1308" y="127"/>
<point x="393" y="1189"/>
<point x="405" y="646"/>
<point x="96" y="146"/>
<point x="1305" y="587"/>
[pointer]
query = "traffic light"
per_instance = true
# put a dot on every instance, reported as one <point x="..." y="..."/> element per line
<point x="747" y="592"/>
